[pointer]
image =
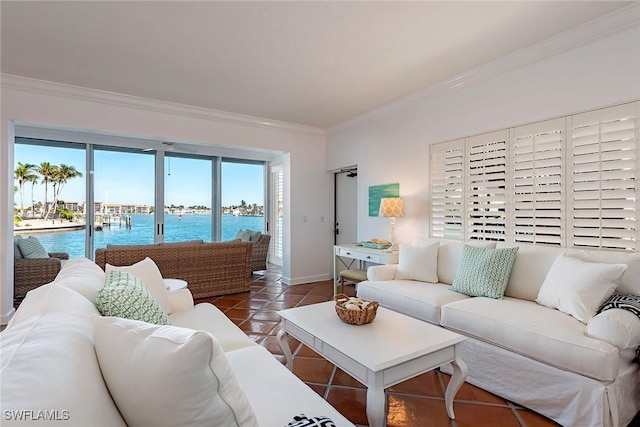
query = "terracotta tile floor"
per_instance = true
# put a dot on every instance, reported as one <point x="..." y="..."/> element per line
<point x="417" y="402"/>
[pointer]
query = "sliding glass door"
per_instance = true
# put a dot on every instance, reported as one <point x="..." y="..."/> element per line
<point x="49" y="194"/>
<point x="187" y="198"/>
<point x="242" y="197"/>
<point x="124" y="197"/>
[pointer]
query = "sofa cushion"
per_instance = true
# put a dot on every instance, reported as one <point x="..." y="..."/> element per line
<point x="208" y="317"/>
<point x="535" y="331"/>
<point x="168" y="376"/>
<point x="275" y="393"/>
<point x="83" y="276"/>
<point x="31" y="248"/>
<point x="578" y="288"/>
<point x="449" y="253"/>
<point x="629" y="282"/>
<point x="124" y="295"/>
<point x="416" y="299"/>
<point x="484" y="272"/>
<point x="49" y="361"/>
<point x="529" y="269"/>
<point x="418" y="263"/>
<point x="147" y="271"/>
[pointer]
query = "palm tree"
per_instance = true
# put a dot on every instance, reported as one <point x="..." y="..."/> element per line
<point x="54" y="180"/>
<point x="33" y="180"/>
<point x="46" y="171"/>
<point x="23" y="174"/>
<point x="61" y="174"/>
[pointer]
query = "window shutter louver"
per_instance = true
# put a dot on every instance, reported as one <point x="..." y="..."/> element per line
<point x="277" y="212"/>
<point x="486" y="158"/>
<point x="447" y="190"/>
<point x="537" y="187"/>
<point x="603" y="170"/>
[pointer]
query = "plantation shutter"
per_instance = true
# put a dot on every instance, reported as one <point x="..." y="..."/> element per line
<point x="277" y="214"/>
<point x="603" y="168"/>
<point x="447" y="190"/>
<point x="486" y="157"/>
<point x="537" y="187"/>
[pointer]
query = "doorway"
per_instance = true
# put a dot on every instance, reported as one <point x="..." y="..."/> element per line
<point x="346" y="212"/>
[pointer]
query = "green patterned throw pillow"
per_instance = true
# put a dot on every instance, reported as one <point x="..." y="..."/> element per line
<point x="124" y="295"/>
<point x="484" y="272"/>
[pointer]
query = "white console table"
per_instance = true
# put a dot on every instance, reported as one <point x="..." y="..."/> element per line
<point x="356" y="253"/>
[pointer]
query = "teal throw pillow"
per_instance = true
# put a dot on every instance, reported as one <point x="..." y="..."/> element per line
<point x="32" y="248"/>
<point x="484" y="272"/>
<point x="16" y="249"/>
<point x="124" y="295"/>
<point x="243" y="235"/>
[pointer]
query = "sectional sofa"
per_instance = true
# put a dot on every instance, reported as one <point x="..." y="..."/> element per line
<point x="62" y="363"/>
<point x="578" y="373"/>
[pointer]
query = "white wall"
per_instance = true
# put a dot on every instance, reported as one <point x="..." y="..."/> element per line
<point x="394" y="146"/>
<point x="309" y="186"/>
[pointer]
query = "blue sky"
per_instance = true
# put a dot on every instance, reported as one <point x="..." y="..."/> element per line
<point x="129" y="178"/>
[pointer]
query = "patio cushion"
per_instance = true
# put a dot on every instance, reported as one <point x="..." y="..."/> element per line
<point x="32" y="248"/>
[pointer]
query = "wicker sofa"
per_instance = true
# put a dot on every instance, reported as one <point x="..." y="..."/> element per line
<point x="210" y="269"/>
<point x="28" y="274"/>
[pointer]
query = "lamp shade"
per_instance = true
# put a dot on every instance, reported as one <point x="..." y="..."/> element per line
<point x="392" y="207"/>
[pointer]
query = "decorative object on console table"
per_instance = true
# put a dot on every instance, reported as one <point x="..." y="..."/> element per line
<point x="392" y="207"/>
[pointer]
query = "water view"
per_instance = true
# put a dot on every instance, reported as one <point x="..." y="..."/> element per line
<point x="186" y="227"/>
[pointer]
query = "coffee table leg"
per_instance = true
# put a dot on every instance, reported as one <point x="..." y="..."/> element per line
<point x="376" y="403"/>
<point x="284" y="345"/>
<point x="457" y="379"/>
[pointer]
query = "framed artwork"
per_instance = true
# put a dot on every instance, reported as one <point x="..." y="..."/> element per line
<point x="377" y="192"/>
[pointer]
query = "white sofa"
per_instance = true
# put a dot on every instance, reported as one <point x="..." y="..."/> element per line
<point x="535" y="356"/>
<point x="51" y="374"/>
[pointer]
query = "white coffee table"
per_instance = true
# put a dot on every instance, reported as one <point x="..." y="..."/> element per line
<point x="391" y="349"/>
<point x="174" y="284"/>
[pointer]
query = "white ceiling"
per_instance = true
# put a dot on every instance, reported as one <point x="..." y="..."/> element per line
<point x="311" y="63"/>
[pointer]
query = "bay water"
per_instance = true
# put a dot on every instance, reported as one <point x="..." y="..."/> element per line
<point x="176" y="228"/>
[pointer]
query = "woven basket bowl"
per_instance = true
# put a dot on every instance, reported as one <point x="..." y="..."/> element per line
<point x="355" y="317"/>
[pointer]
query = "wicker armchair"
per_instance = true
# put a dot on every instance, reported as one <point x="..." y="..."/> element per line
<point x="29" y="273"/>
<point x="259" y="253"/>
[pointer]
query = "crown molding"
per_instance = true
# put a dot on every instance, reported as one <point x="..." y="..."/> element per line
<point x="604" y="26"/>
<point x="27" y="84"/>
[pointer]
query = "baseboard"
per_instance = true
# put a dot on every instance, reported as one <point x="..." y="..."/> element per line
<point x="308" y="279"/>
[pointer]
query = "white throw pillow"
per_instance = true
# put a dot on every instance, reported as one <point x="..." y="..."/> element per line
<point x="577" y="287"/>
<point x="620" y="328"/>
<point x="147" y="271"/>
<point x="168" y="376"/>
<point x="83" y="276"/>
<point x="418" y="263"/>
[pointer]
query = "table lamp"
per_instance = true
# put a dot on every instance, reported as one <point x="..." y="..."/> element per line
<point x="392" y="207"/>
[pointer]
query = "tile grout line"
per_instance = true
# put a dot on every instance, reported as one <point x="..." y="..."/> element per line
<point x="330" y="383"/>
<point x="517" y="414"/>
